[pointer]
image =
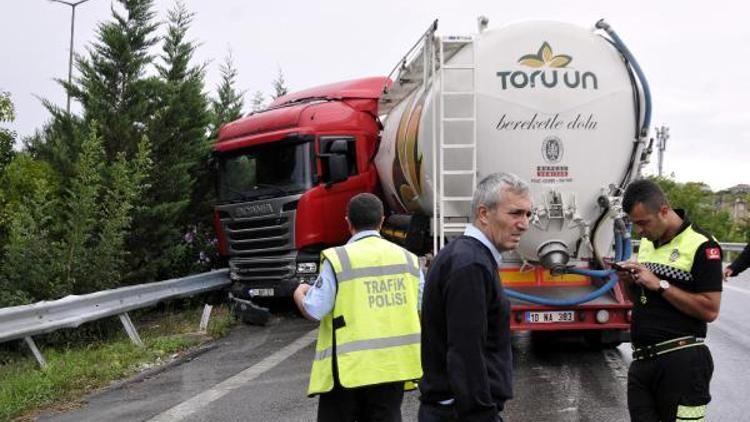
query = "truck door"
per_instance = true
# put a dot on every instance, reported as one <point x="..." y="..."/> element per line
<point x="342" y="180"/>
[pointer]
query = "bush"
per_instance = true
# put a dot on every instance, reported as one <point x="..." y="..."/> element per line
<point x="69" y="241"/>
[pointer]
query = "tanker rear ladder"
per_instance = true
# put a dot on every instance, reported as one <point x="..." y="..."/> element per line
<point x="420" y="65"/>
<point x="465" y="131"/>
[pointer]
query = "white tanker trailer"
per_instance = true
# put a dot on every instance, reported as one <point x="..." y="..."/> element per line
<point x="565" y="108"/>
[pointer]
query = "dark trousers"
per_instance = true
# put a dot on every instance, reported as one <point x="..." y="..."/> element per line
<point x="375" y="403"/>
<point x="679" y="380"/>
<point x="440" y="413"/>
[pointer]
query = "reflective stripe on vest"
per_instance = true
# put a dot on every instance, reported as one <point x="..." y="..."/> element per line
<point x="691" y="413"/>
<point x="673" y="260"/>
<point x="378" y="343"/>
<point x="378" y="337"/>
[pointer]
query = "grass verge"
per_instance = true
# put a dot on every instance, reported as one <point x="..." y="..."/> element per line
<point x="73" y="371"/>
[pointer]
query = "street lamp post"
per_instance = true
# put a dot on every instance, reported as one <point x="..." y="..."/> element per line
<point x="72" y="30"/>
<point x="662" y="135"/>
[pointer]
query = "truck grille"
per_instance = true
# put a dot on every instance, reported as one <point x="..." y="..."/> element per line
<point x="261" y="247"/>
<point x="259" y="235"/>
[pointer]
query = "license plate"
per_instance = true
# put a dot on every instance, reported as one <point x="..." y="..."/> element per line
<point x="547" y="317"/>
<point x="261" y="292"/>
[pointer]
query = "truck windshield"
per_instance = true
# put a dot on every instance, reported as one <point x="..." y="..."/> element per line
<point x="265" y="171"/>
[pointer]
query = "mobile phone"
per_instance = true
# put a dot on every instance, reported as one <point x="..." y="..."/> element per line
<point x="619" y="267"/>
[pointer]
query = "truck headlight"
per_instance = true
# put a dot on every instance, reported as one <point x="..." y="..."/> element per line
<point x="307" y="267"/>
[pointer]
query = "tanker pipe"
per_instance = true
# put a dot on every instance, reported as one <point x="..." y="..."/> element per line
<point x="554" y="256"/>
<point x="610" y="275"/>
<point x="603" y="25"/>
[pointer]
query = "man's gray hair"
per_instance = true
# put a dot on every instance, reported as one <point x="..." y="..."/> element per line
<point x="490" y="190"/>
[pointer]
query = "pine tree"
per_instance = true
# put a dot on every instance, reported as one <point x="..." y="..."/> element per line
<point x="178" y="136"/>
<point x="258" y="102"/>
<point x="127" y="182"/>
<point x="81" y="203"/>
<point x="279" y="86"/>
<point x="114" y="92"/>
<point x="228" y="105"/>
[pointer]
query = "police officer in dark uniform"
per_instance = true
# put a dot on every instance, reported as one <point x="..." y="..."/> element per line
<point x="676" y="289"/>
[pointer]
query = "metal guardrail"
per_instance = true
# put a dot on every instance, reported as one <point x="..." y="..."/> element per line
<point x="71" y="311"/>
<point x="732" y="247"/>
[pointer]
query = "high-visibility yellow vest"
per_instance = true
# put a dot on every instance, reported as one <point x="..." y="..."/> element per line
<point x="673" y="259"/>
<point x="375" y="315"/>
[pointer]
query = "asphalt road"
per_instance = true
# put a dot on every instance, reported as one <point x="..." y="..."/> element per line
<point x="261" y="373"/>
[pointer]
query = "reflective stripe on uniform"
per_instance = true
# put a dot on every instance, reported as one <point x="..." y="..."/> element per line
<point x="674" y="340"/>
<point x="348" y="273"/>
<point x="371" y="344"/>
<point x="691" y="413"/>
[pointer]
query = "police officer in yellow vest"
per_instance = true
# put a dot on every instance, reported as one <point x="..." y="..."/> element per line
<point x="676" y="289"/>
<point x="367" y="301"/>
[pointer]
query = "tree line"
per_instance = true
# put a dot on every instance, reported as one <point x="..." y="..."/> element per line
<point x="120" y="193"/>
<point x="702" y="207"/>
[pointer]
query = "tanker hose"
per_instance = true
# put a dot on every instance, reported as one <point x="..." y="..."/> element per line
<point x="604" y="203"/>
<point x="619" y="246"/>
<point x="610" y="275"/>
<point x="603" y="25"/>
<point x="627" y="243"/>
<point x="620" y="232"/>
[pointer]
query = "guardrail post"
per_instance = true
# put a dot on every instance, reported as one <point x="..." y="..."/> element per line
<point x="205" y="317"/>
<point x="36" y="352"/>
<point x="130" y="329"/>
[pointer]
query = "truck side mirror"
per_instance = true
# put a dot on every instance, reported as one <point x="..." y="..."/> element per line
<point x="337" y="160"/>
<point x="338" y="168"/>
<point x="339" y="146"/>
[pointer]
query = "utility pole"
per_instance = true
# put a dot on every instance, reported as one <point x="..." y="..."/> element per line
<point x="72" y="31"/>
<point x="662" y="134"/>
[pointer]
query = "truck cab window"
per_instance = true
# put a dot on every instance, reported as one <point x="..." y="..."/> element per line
<point x="275" y="169"/>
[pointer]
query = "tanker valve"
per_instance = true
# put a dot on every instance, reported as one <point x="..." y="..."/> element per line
<point x="554" y="256"/>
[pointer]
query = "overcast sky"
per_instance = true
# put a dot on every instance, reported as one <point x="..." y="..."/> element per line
<point x="694" y="54"/>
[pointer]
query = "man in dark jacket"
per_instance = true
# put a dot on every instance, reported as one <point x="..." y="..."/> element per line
<point x="738" y="265"/>
<point x="466" y="351"/>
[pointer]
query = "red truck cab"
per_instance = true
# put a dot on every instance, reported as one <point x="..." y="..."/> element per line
<point x="284" y="177"/>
